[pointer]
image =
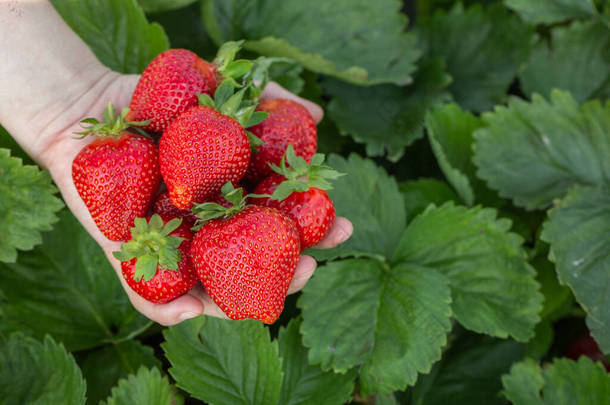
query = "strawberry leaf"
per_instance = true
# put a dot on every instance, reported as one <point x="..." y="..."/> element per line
<point x="106" y="26"/>
<point x="28" y="206"/>
<point x="419" y="194"/>
<point x="206" y="100"/>
<point x="372" y="47"/>
<point x="256" y="118"/>
<point x="223" y="92"/>
<point x="104" y="367"/>
<point x="305" y="384"/>
<point x="478" y="54"/>
<point x="38" y="373"/>
<point x="574" y="59"/>
<point x="237" y="68"/>
<point x="395" y="327"/>
<point x="205" y="363"/>
<point x="534" y="152"/>
<point x="578" y="229"/>
<point x="562" y="382"/>
<point x="450" y="131"/>
<point x="550" y="12"/>
<point x="84" y="308"/>
<point x="147" y="387"/>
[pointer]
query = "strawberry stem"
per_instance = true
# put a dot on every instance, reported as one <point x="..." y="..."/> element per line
<point x="112" y="125"/>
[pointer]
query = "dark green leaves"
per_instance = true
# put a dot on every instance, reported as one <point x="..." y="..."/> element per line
<point x="564" y="382"/>
<point x="387" y="118"/>
<point x="104" y="367"/>
<point x="371" y="200"/>
<point x="38" y="373"/>
<point x="418" y="194"/>
<point x="450" y="132"/>
<point x="116" y="31"/>
<point x="493" y="287"/>
<point x="552" y="11"/>
<point x="27" y="205"/>
<point x="533" y="152"/>
<point x="67" y="287"/>
<point x="227" y="362"/>
<point x="358" y="41"/>
<point x="574" y="59"/>
<point x="578" y="230"/>
<point x="390" y="321"/>
<point x="224" y="362"/>
<point x="147" y="387"/>
<point x="483" y="50"/>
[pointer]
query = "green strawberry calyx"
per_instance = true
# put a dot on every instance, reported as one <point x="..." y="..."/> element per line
<point x="112" y="125"/>
<point x="235" y="196"/>
<point x="300" y="175"/>
<point x="153" y="247"/>
<point x="230" y="102"/>
<point x="225" y="62"/>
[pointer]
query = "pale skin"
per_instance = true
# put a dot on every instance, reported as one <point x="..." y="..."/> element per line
<point x="49" y="81"/>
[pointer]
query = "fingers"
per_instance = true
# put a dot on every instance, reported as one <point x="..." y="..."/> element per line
<point x="171" y="313"/>
<point x="340" y="231"/>
<point x="302" y="274"/>
<point x="274" y="90"/>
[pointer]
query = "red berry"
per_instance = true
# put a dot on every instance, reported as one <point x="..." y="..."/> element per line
<point x="164" y="207"/>
<point x="246" y="262"/>
<point x="117" y="178"/>
<point x="201" y="151"/>
<point x="312" y="210"/>
<point x="288" y="123"/>
<point x="169" y="86"/>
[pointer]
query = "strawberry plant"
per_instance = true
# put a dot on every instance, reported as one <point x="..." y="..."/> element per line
<point x="467" y="142"/>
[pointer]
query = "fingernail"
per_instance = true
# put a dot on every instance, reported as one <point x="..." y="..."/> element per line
<point x="187" y="315"/>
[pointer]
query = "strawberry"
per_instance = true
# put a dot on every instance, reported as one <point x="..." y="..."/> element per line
<point x="116" y="175"/>
<point x="585" y="345"/>
<point x="288" y="123"/>
<point x="246" y="257"/>
<point x="164" y="207"/>
<point x="298" y="191"/>
<point x="156" y="260"/>
<point x="207" y="146"/>
<point x="170" y="83"/>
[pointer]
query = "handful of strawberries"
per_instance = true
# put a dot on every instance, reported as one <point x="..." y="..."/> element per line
<point x="207" y="132"/>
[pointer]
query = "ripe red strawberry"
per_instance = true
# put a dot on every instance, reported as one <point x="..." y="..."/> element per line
<point x="170" y="83"/>
<point x="156" y="260"/>
<point x="199" y="152"/>
<point x="288" y="123"/>
<point x="246" y="261"/>
<point x="585" y="345"/>
<point x="298" y="191"/>
<point x="164" y="207"/>
<point x="117" y="175"/>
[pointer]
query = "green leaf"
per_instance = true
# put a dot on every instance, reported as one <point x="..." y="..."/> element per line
<point x="38" y="373"/>
<point x="159" y="6"/>
<point x="224" y="362"/>
<point x="27" y="207"/>
<point x="116" y="31"/>
<point x="67" y="287"/>
<point x="355" y="40"/>
<point x="450" y="133"/>
<point x="7" y="142"/>
<point x="147" y="387"/>
<point x="552" y="11"/>
<point x="533" y="152"/>
<point x="288" y="74"/>
<point x="387" y="118"/>
<point x="578" y="230"/>
<point x="523" y="384"/>
<point x="558" y="299"/>
<point x="483" y="50"/>
<point x="564" y="382"/>
<point x="371" y="200"/>
<point x="575" y="60"/>
<point x="390" y="321"/>
<point x="492" y="286"/>
<point x="102" y="368"/>
<point x="469" y="372"/>
<point x="304" y="384"/>
<point x="418" y="194"/>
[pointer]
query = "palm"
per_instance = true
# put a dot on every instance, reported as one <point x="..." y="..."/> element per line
<point x="57" y="147"/>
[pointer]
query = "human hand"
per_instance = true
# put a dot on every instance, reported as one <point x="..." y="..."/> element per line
<point x="58" y="149"/>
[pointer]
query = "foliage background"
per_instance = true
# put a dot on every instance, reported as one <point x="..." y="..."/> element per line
<point x="476" y="137"/>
